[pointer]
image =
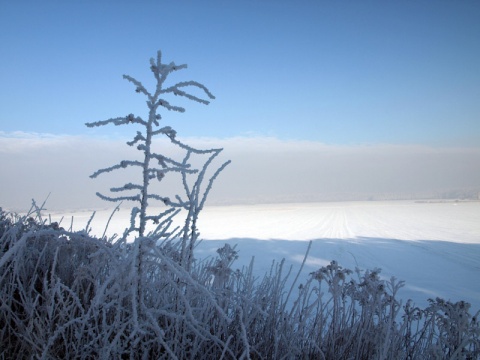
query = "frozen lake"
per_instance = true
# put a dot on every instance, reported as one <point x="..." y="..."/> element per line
<point x="433" y="247"/>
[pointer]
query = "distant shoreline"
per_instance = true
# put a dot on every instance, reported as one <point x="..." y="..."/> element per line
<point x="124" y="206"/>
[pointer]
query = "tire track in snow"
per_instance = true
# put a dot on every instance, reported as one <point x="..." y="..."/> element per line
<point x="337" y="225"/>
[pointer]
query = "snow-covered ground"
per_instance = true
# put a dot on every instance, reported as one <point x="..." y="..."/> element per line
<point x="434" y="247"/>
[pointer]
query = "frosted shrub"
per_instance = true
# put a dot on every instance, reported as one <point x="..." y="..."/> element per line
<point x="358" y="318"/>
<point x="66" y="294"/>
<point x="447" y="330"/>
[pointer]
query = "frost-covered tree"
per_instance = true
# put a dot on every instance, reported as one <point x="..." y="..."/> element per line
<point x="155" y="166"/>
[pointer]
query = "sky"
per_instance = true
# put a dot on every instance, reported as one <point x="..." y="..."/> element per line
<point x="314" y="100"/>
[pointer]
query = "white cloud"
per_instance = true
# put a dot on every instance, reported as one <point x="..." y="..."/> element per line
<point x="263" y="169"/>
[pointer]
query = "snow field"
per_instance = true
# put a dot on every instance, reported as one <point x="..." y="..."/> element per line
<point x="433" y="247"/>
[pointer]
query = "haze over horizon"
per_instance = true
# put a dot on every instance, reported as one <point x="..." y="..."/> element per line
<point x="263" y="170"/>
<point x="314" y="100"/>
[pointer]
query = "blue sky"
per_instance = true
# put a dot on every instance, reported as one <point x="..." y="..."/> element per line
<point x="349" y="72"/>
<point x="315" y="100"/>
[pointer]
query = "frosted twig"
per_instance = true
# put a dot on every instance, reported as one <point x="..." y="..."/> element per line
<point x="123" y="164"/>
<point x="117" y="208"/>
<point x="118" y="121"/>
<point x="119" y="198"/>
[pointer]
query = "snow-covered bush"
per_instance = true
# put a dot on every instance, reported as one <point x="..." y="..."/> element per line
<point x="68" y="295"/>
